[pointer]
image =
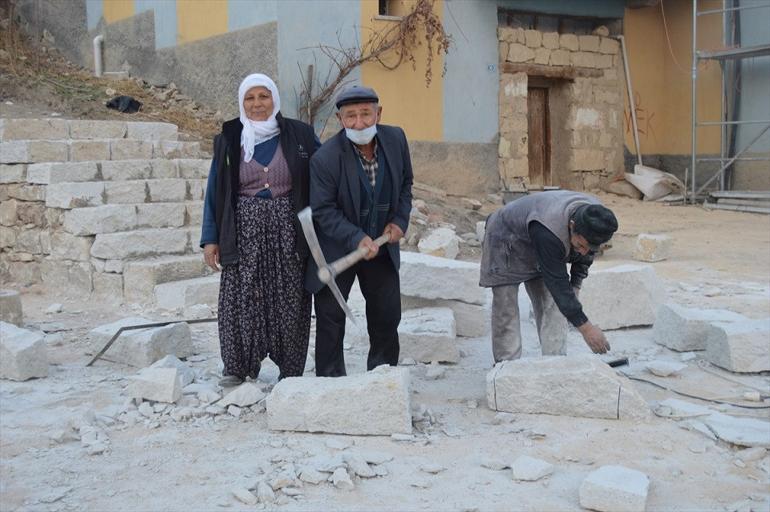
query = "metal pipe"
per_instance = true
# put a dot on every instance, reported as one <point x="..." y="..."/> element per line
<point x="741" y="8"/>
<point x="98" y="42"/>
<point x="716" y="123"/>
<point x="723" y="102"/>
<point x="730" y="162"/>
<point x="694" y="83"/>
<point x="742" y="159"/>
<point x="631" y="104"/>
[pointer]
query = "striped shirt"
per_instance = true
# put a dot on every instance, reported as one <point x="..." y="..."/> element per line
<point x="370" y="166"/>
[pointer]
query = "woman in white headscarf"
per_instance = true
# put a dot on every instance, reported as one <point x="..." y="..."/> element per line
<point x="257" y="184"/>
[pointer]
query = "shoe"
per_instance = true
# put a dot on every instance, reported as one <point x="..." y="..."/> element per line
<point x="230" y="381"/>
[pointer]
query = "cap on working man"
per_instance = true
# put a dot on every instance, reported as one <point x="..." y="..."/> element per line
<point x="356" y="94"/>
<point x="596" y="223"/>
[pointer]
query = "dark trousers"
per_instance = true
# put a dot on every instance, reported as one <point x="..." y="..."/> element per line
<point x="381" y="288"/>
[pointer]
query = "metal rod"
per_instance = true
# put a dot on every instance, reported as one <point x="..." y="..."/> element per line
<point x="144" y="326"/>
<point x="631" y="104"/>
<point x="723" y="98"/>
<point x="693" y="85"/>
<point x="743" y="159"/>
<point x="730" y="162"/>
<point x="719" y="123"/>
<point x="744" y="8"/>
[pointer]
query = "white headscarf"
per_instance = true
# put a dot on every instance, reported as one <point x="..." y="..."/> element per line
<point x="256" y="132"/>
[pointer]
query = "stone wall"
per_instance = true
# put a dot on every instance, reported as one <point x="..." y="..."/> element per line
<point x="584" y="77"/>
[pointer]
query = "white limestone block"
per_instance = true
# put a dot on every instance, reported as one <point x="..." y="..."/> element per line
<point x="190" y="168"/>
<point x="740" y="346"/>
<point x="622" y="296"/>
<point x="615" y="489"/>
<point x="62" y="172"/>
<point x="151" y="131"/>
<point x="88" y="129"/>
<point x="651" y="247"/>
<point x="182" y="294"/>
<point x="74" y="195"/>
<point x="471" y="320"/>
<point x="22" y="353"/>
<point x="186" y="374"/>
<point x="142" y="347"/>
<point x="428" y="335"/>
<point x="139" y="244"/>
<point x="243" y="396"/>
<point x="664" y="368"/>
<point x="13" y="173"/>
<point x="156" y="384"/>
<point x="685" y="329"/>
<point x="160" y="215"/>
<point x="10" y="307"/>
<point x="123" y="170"/>
<point x="441" y="242"/>
<point x="530" y="469"/>
<point x="167" y="191"/>
<point x="129" y="149"/>
<point x="481" y="229"/>
<point x="13" y="152"/>
<point x="125" y="192"/>
<point x="141" y="277"/>
<point x="580" y="385"/>
<point x="89" y="150"/>
<point x="34" y="129"/>
<point x="109" y="218"/>
<point x="430" y="277"/>
<point x="739" y="431"/>
<point x="374" y="403"/>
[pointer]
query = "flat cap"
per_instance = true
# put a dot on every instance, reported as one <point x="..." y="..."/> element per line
<point x="596" y="223"/>
<point x="356" y="94"/>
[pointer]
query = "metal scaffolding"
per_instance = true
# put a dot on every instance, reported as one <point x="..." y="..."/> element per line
<point x="731" y="53"/>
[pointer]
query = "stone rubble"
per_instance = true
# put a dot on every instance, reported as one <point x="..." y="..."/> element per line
<point x="441" y="242"/>
<point x="652" y="247"/>
<point x="156" y="384"/>
<point x="429" y="334"/>
<point x="23" y="354"/>
<point x="530" y="469"/>
<point x="186" y="374"/>
<point x="10" y="307"/>
<point x="664" y="368"/>
<point x="244" y="395"/>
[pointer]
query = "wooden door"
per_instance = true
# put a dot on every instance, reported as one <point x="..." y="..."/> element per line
<point x="539" y="136"/>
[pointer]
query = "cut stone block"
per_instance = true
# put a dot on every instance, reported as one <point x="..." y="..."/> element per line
<point x="139" y="244"/>
<point x="71" y="278"/>
<point x="14" y="152"/>
<point x="167" y="191"/>
<point x="685" y="329"/>
<point x="622" y="296"/>
<point x="430" y="277"/>
<point x="428" y="335"/>
<point x="86" y="129"/>
<point x="194" y="214"/>
<point x="34" y="129"/>
<point x="22" y="353"/>
<point x="196" y="189"/>
<point x="64" y="172"/>
<point x="186" y="374"/>
<point x="129" y="149"/>
<point x="74" y="195"/>
<point x="177" y="149"/>
<point x="652" y="247"/>
<point x="615" y="489"/>
<point x="740" y="346"/>
<point x="664" y="368"/>
<point x="122" y="170"/>
<point x="48" y="151"/>
<point x="125" y="192"/>
<point x="182" y="294"/>
<point x="13" y="173"/>
<point x="156" y="384"/>
<point x="141" y="277"/>
<point x="441" y="242"/>
<point x="100" y="219"/>
<point x="243" y="396"/>
<point x="530" y="469"/>
<point x="152" y="131"/>
<point x="142" y="347"/>
<point x="471" y="321"/>
<point x="108" y="287"/>
<point x="160" y="215"/>
<point x="164" y="169"/>
<point x="65" y="246"/>
<point x="580" y="385"/>
<point x="375" y="403"/>
<point x="739" y="431"/>
<point x="194" y="168"/>
<point x="10" y="307"/>
<point x="89" y="150"/>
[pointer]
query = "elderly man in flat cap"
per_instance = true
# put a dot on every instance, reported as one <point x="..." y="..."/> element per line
<point x="531" y="240"/>
<point x="360" y="189"/>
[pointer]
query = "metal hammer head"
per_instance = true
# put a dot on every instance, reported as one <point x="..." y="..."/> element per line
<point x="325" y="271"/>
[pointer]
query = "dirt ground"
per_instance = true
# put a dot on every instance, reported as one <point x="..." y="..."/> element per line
<point x="720" y="260"/>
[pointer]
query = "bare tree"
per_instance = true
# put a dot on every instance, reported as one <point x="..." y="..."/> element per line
<point x="390" y="48"/>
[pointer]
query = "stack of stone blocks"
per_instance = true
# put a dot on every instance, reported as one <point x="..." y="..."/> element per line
<point x="99" y="207"/>
<point x="595" y="118"/>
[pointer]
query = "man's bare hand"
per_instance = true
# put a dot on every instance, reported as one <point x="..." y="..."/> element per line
<point x="594" y="338"/>
<point x="369" y="244"/>
<point x="211" y="256"/>
<point x="395" y="233"/>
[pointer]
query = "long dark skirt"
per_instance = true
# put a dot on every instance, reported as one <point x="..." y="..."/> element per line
<point x="264" y="310"/>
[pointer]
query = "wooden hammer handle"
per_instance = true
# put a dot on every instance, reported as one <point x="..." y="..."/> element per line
<point x="344" y="263"/>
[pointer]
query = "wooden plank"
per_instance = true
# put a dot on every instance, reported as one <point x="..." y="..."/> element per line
<point x="538" y="136"/>
<point x="744" y="202"/>
<point x="563" y="72"/>
<point x="742" y="194"/>
<point x="736" y="208"/>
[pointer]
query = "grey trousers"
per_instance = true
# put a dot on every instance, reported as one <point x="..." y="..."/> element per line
<point x="506" y="328"/>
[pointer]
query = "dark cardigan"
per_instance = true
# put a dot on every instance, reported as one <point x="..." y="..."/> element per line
<point x="298" y="142"/>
